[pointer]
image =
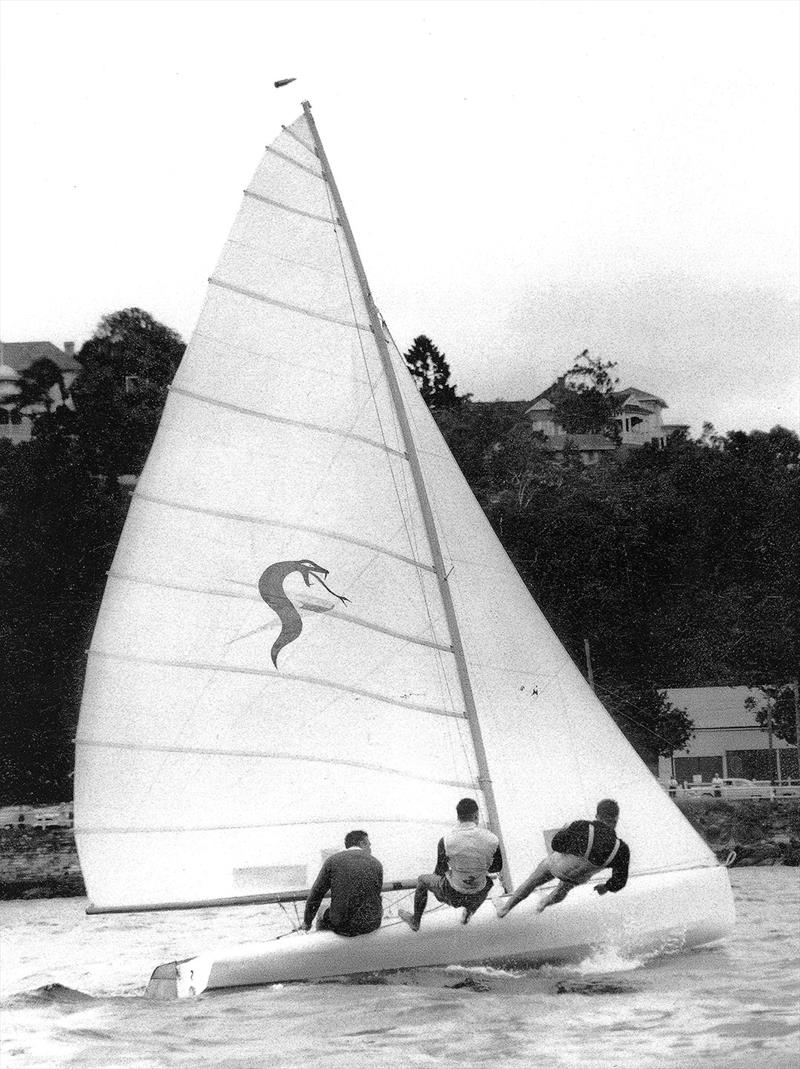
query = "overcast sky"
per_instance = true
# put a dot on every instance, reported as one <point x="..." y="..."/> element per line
<point x="525" y="179"/>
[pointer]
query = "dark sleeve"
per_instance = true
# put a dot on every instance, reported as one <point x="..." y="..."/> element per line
<point x="380" y="876"/>
<point x="619" y="869"/>
<point x="441" y="860"/>
<point x="564" y="839"/>
<point x="322" y="885"/>
<point x="497" y="861"/>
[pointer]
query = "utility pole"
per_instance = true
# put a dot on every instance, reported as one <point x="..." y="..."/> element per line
<point x="589" y="675"/>
<point x="795" y="688"/>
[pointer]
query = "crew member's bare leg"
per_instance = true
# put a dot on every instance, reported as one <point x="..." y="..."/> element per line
<point x="541" y="874"/>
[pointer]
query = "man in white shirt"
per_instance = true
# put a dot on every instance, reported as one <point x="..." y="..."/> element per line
<point x="466" y="856"/>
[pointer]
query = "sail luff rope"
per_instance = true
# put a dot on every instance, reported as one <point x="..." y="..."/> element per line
<point x="430" y="525"/>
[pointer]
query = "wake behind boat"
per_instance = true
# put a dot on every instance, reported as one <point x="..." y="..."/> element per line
<point x="310" y="626"/>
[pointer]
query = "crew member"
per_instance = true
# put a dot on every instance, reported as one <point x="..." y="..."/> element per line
<point x="354" y="879"/>
<point x="578" y="851"/>
<point x="466" y="856"/>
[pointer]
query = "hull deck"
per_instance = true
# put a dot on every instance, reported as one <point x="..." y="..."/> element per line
<point x="655" y="913"/>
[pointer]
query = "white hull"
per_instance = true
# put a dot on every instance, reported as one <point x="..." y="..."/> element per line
<point x="654" y="913"/>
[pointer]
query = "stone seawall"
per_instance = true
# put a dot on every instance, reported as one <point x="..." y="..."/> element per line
<point x="748" y="831"/>
<point x="39" y="863"/>
<point x="43" y="862"/>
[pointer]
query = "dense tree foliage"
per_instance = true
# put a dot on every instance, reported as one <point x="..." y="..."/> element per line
<point x="679" y="566"/>
<point x="61" y="514"/>
<point x="776" y="712"/>
<point x="431" y="371"/>
<point x="58" y="531"/>
<point x="584" y="400"/>
<point x="127" y="367"/>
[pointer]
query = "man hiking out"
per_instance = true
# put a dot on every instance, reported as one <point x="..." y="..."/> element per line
<point x="578" y="851"/>
<point x="466" y="856"/>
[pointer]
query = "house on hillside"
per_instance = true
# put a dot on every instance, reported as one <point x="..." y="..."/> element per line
<point x="728" y="740"/>
<point x="16" y="358"/>
<point x="639" y="422"/>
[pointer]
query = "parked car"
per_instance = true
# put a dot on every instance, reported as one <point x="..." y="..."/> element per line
<point x="733" y="787"/>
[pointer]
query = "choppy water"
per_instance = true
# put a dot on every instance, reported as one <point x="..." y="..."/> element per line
<point x="71" y="991"/>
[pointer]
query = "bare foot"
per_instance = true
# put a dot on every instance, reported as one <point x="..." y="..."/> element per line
<point x="502" y="908"/>
<point x="409" y="918"/>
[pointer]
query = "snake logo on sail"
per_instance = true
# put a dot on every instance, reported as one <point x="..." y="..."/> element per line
<point x="270" y="587"/>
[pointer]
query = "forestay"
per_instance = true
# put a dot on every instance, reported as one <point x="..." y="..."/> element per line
<point x="272" y="664"/>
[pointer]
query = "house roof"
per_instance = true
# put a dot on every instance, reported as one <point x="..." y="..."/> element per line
<point x="630" y="395"/>
<point x="21" y="354"/>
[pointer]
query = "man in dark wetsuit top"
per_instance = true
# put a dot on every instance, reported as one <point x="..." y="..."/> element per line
<point x="354" y="879"/>
<point x="465" y="857"/>
<point x="578" y="851"/>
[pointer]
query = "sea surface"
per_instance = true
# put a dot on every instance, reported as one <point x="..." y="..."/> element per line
<point x="71" y="994"/>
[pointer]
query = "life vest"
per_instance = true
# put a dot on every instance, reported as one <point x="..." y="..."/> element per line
<point x="470" y="851"/>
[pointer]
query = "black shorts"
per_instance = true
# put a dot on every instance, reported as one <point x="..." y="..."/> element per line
<point x="444" y="891"/>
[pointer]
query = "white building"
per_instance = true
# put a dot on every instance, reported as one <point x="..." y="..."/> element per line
<point x="728" y="740"/>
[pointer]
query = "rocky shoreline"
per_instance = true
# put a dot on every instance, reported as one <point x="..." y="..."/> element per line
<point x="43" y="862"/>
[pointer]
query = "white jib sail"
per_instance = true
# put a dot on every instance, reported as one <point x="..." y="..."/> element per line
<point x="272" y="665"/>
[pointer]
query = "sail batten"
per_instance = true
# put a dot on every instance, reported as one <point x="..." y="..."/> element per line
<point x="273" y="418"/>
<point x="325" y="684"/>
<point x="343" y="617"/>
<point x="141" y="495"/>
<point x="288" y="207"/>
<point x="286" y="306"/>
<point x="293" y="162"/>
<point x="144" y="747"/>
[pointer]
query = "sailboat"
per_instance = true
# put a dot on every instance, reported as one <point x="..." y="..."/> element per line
<point x="309" y="626"/>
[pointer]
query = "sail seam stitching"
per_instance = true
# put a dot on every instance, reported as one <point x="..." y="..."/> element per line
<point x="275" y="755"/>
<point x="294" y="163"/>
<point x="333" y="614"/>
<point x="294" y="677"/>
<point x="289" y="307"/>
<point x="287" y="207"/>
<point x="286" y="421"/>
<point x="267" y="522"/>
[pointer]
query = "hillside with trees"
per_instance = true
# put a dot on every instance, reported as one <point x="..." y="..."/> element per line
<point x="678" y="566"/>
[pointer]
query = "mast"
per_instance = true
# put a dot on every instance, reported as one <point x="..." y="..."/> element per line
<point x="484" y="778"/>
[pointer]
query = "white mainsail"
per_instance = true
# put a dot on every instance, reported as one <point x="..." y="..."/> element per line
<point x="274" y="662"/>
